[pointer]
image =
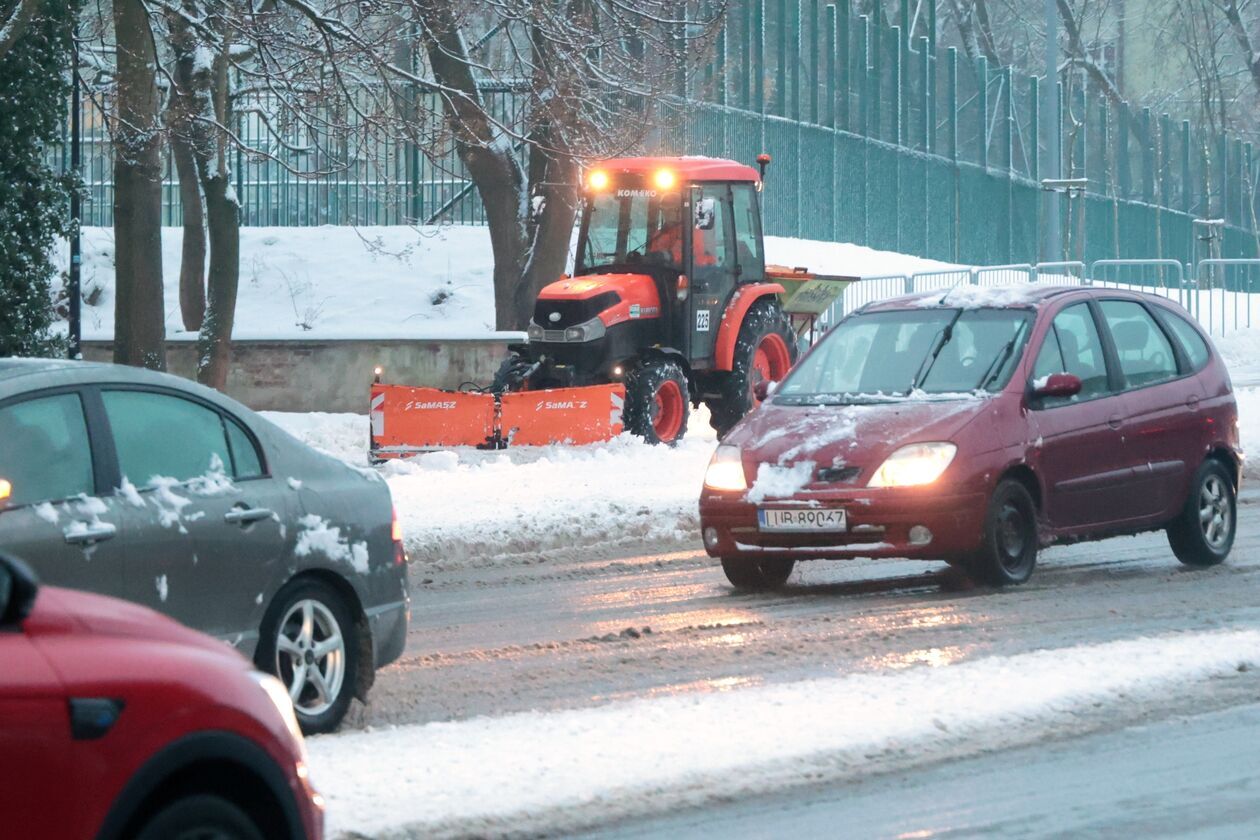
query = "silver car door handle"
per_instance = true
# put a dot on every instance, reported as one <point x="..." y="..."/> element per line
<point x="244" y="516"/>
<point x="95" y="532"/>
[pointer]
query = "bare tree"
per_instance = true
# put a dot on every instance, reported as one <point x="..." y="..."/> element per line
<point x="14" y="16"/>
<point x="139" y="319"/>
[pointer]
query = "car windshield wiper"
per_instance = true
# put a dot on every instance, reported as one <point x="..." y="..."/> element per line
<point x="995" y="367"/>
<point x="938" y="344"/>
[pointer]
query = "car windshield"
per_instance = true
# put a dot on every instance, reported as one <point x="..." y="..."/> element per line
<point x="625" y="226"/>
<point x="890" y="355"/>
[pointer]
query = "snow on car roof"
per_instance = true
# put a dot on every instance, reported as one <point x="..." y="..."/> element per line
<point x="967" y="296"/>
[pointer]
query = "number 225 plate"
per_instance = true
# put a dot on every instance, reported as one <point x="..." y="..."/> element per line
<point x="801" y="519"/>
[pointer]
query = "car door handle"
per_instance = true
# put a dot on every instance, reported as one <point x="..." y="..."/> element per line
<point x="1115" y="421"/>
<point x="90" y="533"/>
<point x="1192" y="402"/>
<point x="244" y="516"/>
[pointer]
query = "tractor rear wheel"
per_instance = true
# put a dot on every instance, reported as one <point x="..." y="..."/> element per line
<point x="657" y="401"/>
<point x="764" y="350"/>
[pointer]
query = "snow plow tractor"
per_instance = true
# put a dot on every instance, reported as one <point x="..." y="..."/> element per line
<point x="670" y="305"/>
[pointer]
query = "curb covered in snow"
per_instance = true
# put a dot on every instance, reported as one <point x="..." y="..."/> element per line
<point x="531" y="771"/>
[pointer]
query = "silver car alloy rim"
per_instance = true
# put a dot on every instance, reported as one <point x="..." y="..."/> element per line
<point x="311" y="656"/>
<point x="1214" y="511"/>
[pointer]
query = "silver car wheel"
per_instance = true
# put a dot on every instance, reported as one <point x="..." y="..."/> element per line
<point x="311" y="656"/>
<point x="1214" y="512"/>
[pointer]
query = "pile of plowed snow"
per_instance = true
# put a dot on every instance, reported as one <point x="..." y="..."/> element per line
<point x="467" y="507"/>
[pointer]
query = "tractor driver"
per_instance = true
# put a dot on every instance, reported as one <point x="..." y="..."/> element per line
<point x="665" y="243"/>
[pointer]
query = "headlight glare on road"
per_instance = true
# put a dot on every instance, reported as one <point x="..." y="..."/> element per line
<point x="726" y="470"/>
<point x="914" y="465"/>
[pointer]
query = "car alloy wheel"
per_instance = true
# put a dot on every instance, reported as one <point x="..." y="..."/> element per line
<point x="311" y="656"/>
<point x="1214" y="512"/>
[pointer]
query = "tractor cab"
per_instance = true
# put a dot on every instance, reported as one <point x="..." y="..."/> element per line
<point x="688" y="228"/>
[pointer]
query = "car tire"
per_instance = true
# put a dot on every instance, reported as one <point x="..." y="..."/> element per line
<point x="1008" y="553"/>
<point x="766" y="346"/>
<point x="1198" y="541"/>
<point x="658" y="401"/>
<point x="200" y="816"/>
<point x="320" y="696"/>
<point x="757" y="575"/>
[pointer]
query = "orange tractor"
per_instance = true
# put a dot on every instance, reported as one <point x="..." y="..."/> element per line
<point x="670" y="304"/>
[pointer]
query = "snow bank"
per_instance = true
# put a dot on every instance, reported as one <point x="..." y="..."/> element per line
<point x="335" y="282"/>
<point x="487" y="774"/>
<point x="326" y="282"/>
<point x="464" y="505"/>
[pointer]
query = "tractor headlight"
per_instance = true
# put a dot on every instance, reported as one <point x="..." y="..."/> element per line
<point x="534" y="332"/>
<point x="588" y="331"/>
<point x="726" y="470"/>
<point x="914" y="465"/>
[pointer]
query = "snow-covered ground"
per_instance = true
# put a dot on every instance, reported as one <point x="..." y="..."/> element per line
<point x="466" y="506"/>
<point x="337" y="282"/>
<point x="649" y="755"/>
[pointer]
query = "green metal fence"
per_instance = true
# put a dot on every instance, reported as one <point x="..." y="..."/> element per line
<point x="879" y="137"/>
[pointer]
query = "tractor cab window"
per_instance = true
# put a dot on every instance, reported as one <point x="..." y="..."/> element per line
<point x="747" y="232"/>
<point x="626" y="226"/>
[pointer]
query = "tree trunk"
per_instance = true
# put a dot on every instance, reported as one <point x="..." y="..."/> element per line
<point x="180" y="113"/>
<point x="192" y="264"/>
<point x="549" y="252"/>
<point x="486" y="154"/>
<point x="139" y="316"/>
<point x="214" y="346"/>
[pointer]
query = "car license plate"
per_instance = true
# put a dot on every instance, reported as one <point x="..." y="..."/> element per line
<point x="801" y="519"/>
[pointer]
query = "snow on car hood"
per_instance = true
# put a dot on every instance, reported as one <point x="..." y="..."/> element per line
<point x="848" y="435"/>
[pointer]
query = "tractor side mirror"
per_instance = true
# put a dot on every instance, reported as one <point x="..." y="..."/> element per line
<point x="1057" y="385"/>
<point x="706" y="213"/>
<point x="18" y="588"/>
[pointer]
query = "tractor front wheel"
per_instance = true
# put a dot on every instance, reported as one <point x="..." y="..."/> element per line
<point x="765" y="350"/>
<point x="657" y="401"/>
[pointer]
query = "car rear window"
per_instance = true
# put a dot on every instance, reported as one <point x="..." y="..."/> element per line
<point x="1191" y="341"/>
<point x="245" y="459"/>
<point x="45" y="453"/>
<point x="162" y="436"/>
<point x="1146" y="355"/>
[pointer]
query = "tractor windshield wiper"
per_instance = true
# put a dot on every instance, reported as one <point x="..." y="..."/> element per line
<point x="938" y="344"/>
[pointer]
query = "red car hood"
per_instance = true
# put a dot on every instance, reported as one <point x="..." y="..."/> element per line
<point x="850" y="435"/>
<point x="60" y="611"/>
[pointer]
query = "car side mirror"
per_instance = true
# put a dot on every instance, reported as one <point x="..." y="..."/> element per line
<point x="18" y="588"/>
<point x="1057" y="385"/>
<point x="764" y="389"/>
<point x="706" y="213"/>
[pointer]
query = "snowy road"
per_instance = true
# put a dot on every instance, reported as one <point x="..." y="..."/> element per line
<point x="570" y="631"/>
<point x="1185" y="777"/>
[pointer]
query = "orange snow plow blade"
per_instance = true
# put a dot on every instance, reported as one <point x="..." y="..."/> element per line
<point x="408" y="420"/>
<point x="562" y="415"/>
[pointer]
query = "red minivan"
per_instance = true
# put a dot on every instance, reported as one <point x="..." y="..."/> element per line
<point x="117" y="722"/>
<point x="977" y="424"/>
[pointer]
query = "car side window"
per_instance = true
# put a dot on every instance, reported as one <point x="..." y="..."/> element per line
<point x="164" y="436"/>
<point x="246" y="461"/>
<point x="44" y="450"/>
<point x="1146" y="355"/>
<point x="1191" y="340"/>
<point x="1073" y="346"/>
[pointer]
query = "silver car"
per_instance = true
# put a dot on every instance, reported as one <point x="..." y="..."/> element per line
<point x="154" y="489"/>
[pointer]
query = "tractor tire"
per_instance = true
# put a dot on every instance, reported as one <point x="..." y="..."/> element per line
<point x="657" y="401"/>
<point x="764" y="349"/>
